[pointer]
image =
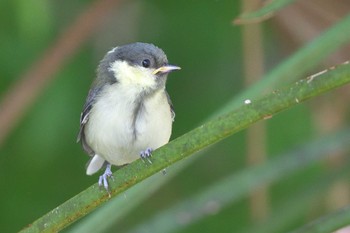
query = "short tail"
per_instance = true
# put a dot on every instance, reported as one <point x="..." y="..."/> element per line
<point x="95" y="164"/>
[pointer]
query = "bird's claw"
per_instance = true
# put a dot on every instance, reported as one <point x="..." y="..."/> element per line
<point x="146" y="155"/>
<point x="103" y="180"/>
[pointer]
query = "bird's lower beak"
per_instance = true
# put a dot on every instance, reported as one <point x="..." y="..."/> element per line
<point x="166" y="69"/>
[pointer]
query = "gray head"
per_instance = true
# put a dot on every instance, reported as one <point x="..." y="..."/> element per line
<point x="138" y="64"/>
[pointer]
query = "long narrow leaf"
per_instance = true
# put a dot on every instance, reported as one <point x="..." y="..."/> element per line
<point x="328" y="223"/>
<point x="193" y="141"/>
<point x="236" y="186"/>
<point x="299" y="204"/>
<point x="297" y="65"/>
<point x="265" y="12"/>
<point x="137" y="194"/>
<point x="291" y="69"/>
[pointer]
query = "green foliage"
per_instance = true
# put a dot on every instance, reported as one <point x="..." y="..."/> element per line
<point x="199" y="138"/>
<point x="267" y="11"/>
<point x="42" y="167"/>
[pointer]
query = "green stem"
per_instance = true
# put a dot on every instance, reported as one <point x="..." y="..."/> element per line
<point x="263" y="13"/>
<point x="297" y="65"/>
<point x="329" y="223"/>
<point x="288" y="71"/>
<point x="299" y="204"/>
<point x="193" y="141"/>
<point x="218" y="196"/>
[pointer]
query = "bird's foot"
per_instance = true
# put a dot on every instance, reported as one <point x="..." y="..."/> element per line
<point x="103" y="180"/>
<point x="146" y="155"/>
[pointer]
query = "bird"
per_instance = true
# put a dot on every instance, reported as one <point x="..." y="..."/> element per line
<point x="128" y="112"/>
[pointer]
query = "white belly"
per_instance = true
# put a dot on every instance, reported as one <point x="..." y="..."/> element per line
<point x="116" y="135"/>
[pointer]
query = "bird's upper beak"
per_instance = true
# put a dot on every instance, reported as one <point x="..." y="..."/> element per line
<point x="165" y="69"/>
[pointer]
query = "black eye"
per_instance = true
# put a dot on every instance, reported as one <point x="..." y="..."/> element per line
<point x="146" y="63"/>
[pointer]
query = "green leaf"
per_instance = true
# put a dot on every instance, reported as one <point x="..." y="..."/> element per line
<point x="297" y="65"/>
<point x="329" y="223"/>
<point x="305" y="199"/>
<point x="290" y="70"/>
<point x="265" y="12"/>
<point x="220" y="195"/>
<point x="193" y="141"/>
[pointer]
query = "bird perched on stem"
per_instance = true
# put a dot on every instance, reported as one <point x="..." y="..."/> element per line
<point x="127" y="113"/>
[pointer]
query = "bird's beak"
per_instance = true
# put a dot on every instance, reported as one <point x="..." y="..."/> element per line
<point x="165" y="69"/>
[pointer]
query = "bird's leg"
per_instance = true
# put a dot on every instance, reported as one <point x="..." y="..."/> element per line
<point x="103" y="180"/>
<point x="146" y="155"/>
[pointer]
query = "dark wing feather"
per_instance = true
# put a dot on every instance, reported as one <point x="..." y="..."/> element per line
<point x="171" y="106"/>
<point x="84" y="118"/>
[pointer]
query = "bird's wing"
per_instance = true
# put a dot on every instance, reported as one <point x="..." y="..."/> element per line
<point x="84" y="118"/>
<point x="171" y="106"/>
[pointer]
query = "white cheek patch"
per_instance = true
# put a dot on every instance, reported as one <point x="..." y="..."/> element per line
<point x="133" y="75"/>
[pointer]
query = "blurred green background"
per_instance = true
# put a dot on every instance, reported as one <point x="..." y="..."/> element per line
<point x="41" y="166"/>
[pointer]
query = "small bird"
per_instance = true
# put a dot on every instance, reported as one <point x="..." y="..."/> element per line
<point x="127" y="113"/>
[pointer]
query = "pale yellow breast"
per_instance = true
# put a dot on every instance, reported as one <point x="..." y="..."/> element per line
<point x="110" y="131"/>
